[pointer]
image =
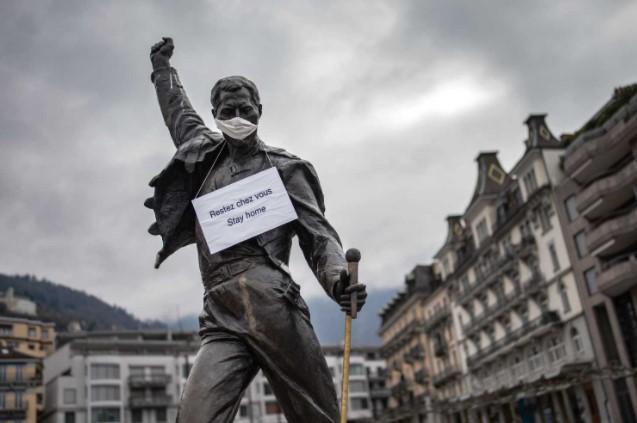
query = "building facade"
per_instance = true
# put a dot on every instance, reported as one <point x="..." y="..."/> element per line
<point x="127" y="376"/>
<point x="29" y="336"/>
<point x="404" y="348"/>
<point x="24" y="342"/>
<point x="138" y="377"/>
<point x="526" y="343"/>
<point x="20" y="386"/>
<point x="598" y="209"/>
<point x="502" y="327"/>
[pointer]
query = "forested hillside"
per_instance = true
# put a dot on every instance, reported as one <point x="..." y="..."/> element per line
<point x="62" y="305"/>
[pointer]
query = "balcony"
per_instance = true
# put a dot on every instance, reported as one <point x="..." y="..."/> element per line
<point x="399" y="389"/>
<point x="618" y="275"/>
<point x="420" y="377"/>
<point x="156" y="380"/>
<point x="614" y="235"/>
<point x="594" y="151"/>
<point x="520" y="335"/>
<point x="16" y="413"/>
<point x="528" y="289"/>
<point x="379" y="393"/>
<point x="608" y="193"/>
<point x="446" y="375"/>
<point x="150" y="402"/>
<point x="437" y="317"/>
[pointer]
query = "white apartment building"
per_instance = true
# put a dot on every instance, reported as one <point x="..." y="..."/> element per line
<point x="515" y="302"/>
<point x="138" y="377"/>
<point x="118" y="377"/>
<point x="367" y="395"/>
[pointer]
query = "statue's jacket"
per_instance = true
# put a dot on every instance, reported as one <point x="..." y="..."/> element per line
<point x="197" y="147"/>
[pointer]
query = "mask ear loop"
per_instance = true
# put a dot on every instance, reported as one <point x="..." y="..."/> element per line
<point x="223" y="146"/>
<point x="267" y="156"/>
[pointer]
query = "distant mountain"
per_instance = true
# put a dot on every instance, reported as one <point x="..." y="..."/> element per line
<point x="62" y="305"/>
<point x="328" y="321"/>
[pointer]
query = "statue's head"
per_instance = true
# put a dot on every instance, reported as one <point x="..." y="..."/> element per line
<point x="236" y="96"/>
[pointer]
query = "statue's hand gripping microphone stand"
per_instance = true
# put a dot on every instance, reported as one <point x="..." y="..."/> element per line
<point x="352" y="256"/>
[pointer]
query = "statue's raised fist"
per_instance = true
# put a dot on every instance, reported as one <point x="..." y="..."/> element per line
<point x="161" y="52"/>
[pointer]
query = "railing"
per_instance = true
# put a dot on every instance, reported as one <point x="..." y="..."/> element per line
<point x="616" y="271"/>
<point x="448" y="373"/>
<point x="153" y="401"/>
<point x="614" y="227"/>
<point x="504" y="263"/>
<point x="151" y="380"/>
<point x="546" y="318"/>
<point x="437" y="317"/>
<point x="510" y="300"/>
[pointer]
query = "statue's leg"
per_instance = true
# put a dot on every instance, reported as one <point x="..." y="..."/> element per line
<point x="262" y="306"/>
<point x="222" y="370"/>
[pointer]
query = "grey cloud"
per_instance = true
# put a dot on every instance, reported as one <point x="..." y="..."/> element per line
<point x="81" y="135"/>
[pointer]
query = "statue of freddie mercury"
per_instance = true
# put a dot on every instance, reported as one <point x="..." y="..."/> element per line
<point x="253" y="315"/>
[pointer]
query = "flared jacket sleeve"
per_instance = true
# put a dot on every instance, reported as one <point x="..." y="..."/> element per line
<point x="318" y="240"/>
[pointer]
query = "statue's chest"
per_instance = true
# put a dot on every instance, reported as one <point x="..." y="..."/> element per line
<point x="229" y="171"/>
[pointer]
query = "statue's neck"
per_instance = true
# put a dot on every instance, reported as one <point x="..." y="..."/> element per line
<point x="239" y="150"/>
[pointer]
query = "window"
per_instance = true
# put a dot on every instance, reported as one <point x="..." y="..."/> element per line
<point x="19" y="372"/>
<point x="243" y="411"/>
<point x="482" y="231"/>
<point x="105" y="415"/>
<point x="272" y="407"/>
<point x="554" y="259"/>
<point x="590" y="276"/>
<point x="70" y="396"/>
<point x="3" y="373"/>
<point x="358" y="386"/>
<point x="267" y="389"/>
<point x="136" y="370"/>
<point x="545" y="219"/>
<point x="580" y="244"/>
<point x="136" y="415"/>
<point x="566" y="304"/>
<point x="530" y="182"/>
<point x="359" y="403"/>
<point x="45" y="336"/>
<point x="1" y="400"/>
<point x="356" y="369"/>
<point x="105" y="371"/>
<point x="518" y="367"/>
<point x="535" y="359"/>
<point x="556" y="351"/>
<point x="69" y="417"/>
<point x="160" y="415"/>
<point x="32" y="332"/>
<point x="157" y="370"/>
<point x="571" y="208"/>
<point x="105" y="393"/>
<point x="578" y="344"/>
<point x="19" y="400"/>
<point x="6" y="330"/>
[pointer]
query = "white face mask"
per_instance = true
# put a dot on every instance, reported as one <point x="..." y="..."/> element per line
<point x="237" y="128"/>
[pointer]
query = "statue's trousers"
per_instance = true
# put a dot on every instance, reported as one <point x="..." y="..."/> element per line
<point x="258" y="320"/>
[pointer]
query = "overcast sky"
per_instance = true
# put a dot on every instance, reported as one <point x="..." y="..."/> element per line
<point x="391" y="101"/>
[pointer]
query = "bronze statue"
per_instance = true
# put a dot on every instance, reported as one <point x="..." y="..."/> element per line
<point x="253" y="315"/>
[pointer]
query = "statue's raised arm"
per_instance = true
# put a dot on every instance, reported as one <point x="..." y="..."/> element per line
<point x="180" y="118"/>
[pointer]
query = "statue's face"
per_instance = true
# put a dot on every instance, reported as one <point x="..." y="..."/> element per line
<point x="237" y="104"/>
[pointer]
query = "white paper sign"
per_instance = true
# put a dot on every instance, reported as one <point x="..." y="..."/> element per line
<point x="244" y="209"/>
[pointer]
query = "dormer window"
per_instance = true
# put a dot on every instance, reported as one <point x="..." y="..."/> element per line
<point x="481" y="231"/>
<point x="530" y="182"/>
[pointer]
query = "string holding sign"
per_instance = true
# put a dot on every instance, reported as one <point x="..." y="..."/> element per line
<point x="243" y="209"/>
